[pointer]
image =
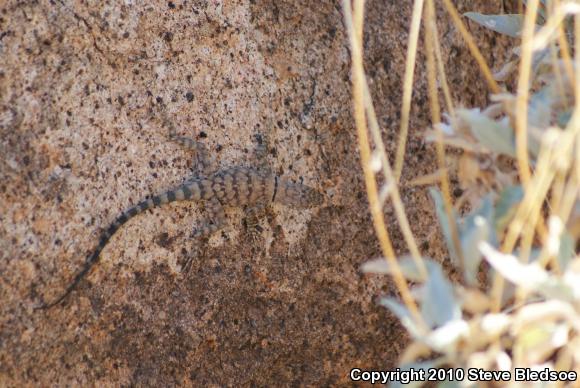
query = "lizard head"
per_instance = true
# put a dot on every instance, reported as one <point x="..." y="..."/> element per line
<point x="297" y="195"/>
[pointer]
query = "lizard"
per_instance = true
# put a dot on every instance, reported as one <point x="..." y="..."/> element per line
<point x="234" y="186"/>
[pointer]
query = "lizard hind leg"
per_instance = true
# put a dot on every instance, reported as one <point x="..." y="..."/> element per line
<point x="216" y="221"/>
<point x="253" y="213"/>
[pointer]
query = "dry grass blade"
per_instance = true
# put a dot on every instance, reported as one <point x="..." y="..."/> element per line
<point x="355" y="40"/>
<point x="408" y="86"/>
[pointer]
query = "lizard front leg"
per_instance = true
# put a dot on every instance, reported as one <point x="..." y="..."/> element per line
<point x="202" y="161"/>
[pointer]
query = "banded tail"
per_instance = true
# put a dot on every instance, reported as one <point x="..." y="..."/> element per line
<point x="194" y="191"/>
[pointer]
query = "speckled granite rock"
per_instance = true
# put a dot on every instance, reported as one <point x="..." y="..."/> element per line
<point x="81" y="141"/>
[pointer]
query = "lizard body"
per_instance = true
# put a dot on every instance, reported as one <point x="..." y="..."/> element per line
<point x="237" y="186"/>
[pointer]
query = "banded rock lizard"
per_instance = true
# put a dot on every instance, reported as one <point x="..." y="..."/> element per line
<point x="235" y="186"/>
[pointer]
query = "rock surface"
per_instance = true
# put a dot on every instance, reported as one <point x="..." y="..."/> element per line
<point x="82" y="140"/>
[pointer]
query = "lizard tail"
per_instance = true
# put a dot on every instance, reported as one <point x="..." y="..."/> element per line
<point x="183" y="192"/>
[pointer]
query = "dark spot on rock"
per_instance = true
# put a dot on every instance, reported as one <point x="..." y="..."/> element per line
<point x="163" y="240"/>
<point x="189" y="96"/>
<point x="332" y="32"/>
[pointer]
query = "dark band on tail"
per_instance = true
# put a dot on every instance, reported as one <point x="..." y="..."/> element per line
<point x="181" y="193"/>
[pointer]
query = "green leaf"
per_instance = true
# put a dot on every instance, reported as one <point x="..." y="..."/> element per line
<point x="506" y="206"/>
<point x="444" y="223"/>
<point x="509" y="24"/>
<point x="497" y="136"/>
<point x="438" y="303"/>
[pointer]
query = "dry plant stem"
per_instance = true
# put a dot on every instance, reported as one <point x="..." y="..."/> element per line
<point x="430" y="44"/>
<point x="553" y="23"/>
<point x="564" y="47"/>
<point x="557" y="72"/>
<point x="472" y="46"/>
<point x="565" y="53"/>
<point x="390" y="183"/>
<point x="569" y="195"/>
<point x="521" y="127"/>
<point x="577" y="61"/>
<point x="555" y="68"/>
<point x="540" y="186"/>
<point x="360" y="120"/>
<point x="536" y="191"/>
<point x="408" y="86"/>
<point x="441" y="70"/>
<point x="531" y="207"/>
<point x="576" y="161"/>
<point x="390" y="179"/>
<point x="563" y="147"/>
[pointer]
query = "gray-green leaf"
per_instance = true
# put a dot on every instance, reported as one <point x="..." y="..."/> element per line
<point x="475" y="229"/>
<point x="438" y="303"/>
<point x="506" y="206"/>
<point x="510" y="24"/>
<point x="497" y="136"/>
<point x="407" y="265"/>
<point x="403" y="314"/>
<point x="444" y="223"/>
